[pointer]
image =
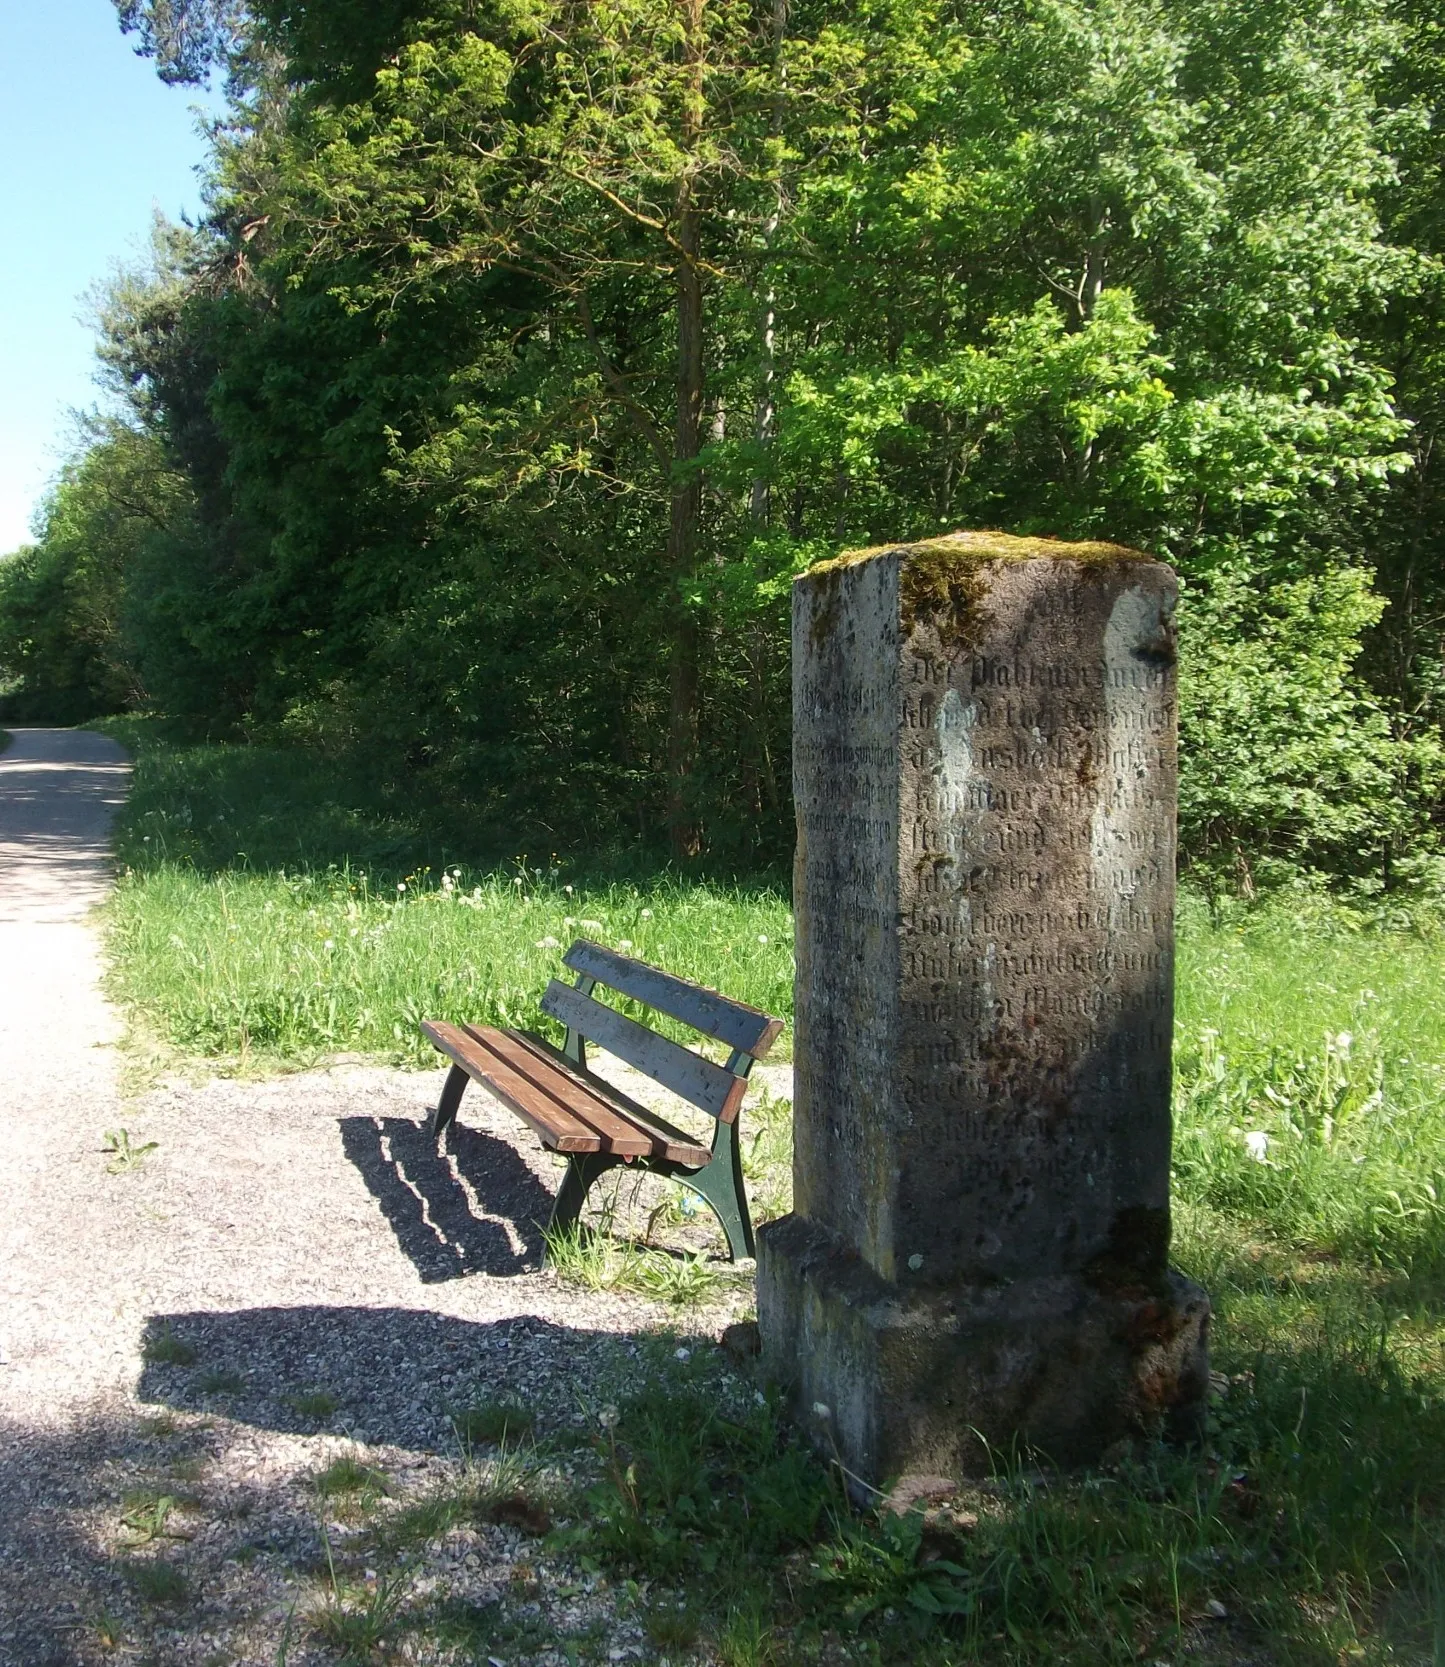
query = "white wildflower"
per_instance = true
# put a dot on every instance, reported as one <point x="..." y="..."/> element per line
<point x="821" y="1409"/>
<point x="762" y="937"/>
<point x="624" y="943"/>
<point x="607" y="1418"/>
<point x="549" y="942"/>
<point x="1257" y="1144"/>
<point x="646" y="914"/>
<point x="682" y="1354"/>
<point x="401" y="885"/>
<point x="330" y="943"/>
<point x="568" y="890"/>
<point x="591" y="925"/>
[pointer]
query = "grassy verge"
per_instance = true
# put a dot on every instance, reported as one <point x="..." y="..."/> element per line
<point x="269" y="912"/>
<point x="1308" y="1531"/>
<point x="1310" y="1188"/>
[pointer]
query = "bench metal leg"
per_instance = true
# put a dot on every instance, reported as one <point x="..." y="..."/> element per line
<point x="721" y="1186"/>
<point x="446" y="1111"/>
<point x="583" y="1168"/>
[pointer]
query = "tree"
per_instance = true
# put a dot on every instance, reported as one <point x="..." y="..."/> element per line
<point x="537" y="347"/>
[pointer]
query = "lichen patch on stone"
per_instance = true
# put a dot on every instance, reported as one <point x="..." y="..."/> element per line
<point x="979" y="545"/>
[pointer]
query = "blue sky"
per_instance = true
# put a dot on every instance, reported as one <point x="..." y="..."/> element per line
<point x="90" y="141"/>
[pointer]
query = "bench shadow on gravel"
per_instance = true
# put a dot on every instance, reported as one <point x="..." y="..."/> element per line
<point x="424" y="1196"/>
<point x="386" y="1376"/>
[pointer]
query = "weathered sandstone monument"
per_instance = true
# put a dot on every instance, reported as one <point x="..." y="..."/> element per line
<point x="984" y="768"/>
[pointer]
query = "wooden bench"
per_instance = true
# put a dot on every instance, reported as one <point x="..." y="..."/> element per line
<point x="593" y="1125"/>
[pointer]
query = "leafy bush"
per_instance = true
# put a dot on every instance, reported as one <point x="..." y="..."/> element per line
<point x="1290" y="762"/>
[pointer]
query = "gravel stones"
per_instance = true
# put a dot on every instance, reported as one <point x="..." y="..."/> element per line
<point x="291" y="1276"/>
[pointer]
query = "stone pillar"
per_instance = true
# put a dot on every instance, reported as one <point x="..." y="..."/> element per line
<point x="984" y="766"/>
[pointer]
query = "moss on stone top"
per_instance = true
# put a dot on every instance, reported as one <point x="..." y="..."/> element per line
<point x="979" y="546"/>
<point x="941" y="585"/>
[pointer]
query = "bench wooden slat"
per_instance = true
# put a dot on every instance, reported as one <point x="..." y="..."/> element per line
<point x="558" y="1128"/>
<point x="687" y="1074"/>
<point x="672" y="1142"/>
<point x="616" y="1131"/>
<point x="742" y="1027"/>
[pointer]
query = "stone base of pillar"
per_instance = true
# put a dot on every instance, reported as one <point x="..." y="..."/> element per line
<point x="893" y="1381"/>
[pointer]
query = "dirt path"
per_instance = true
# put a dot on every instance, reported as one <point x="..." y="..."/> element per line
<point x="289" y="1273"/>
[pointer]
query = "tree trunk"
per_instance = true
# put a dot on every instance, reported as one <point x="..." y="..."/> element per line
<point x="682" y="538"/>
<point x="766" y="411"/>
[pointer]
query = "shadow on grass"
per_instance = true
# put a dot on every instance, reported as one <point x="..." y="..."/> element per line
<point x="430" y="1198"/>
<point x="1311" y="1523"/>
<point x="231" y="805"/>
<point x="1311" y="1526"/>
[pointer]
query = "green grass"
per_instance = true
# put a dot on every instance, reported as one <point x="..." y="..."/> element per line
<point x="1310" y="1086"/>
<point x="166" y="1349"/>
<point x="492" y="1423"/>
<point x="1310" y="1200"/>
<point x="348" y="1475"/>
<point x="247" y="925"/>
<point x="157" y="1581"/>
<point x="319" y="1405"/>
<point x="1309" y="1530"/>
<point x="221" y="1381"/>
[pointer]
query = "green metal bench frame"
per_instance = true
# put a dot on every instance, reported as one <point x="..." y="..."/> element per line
<point x="592" y="1124"/>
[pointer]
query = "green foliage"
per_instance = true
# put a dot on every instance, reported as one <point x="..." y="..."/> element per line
<point x="446" y="490"/>
<point x="62" y="657"/>
<point x="1308" y="1527"/>
<point x="357" y="1620"/>
<point x="126" y="1157"/>
<point x="693" y="1488"/>
<point x="1310" y="1063"/>
<point x="220" y="1381"/>
<point x="145" y="1517"/>
<point x="317" y="1406"/>
<point x="291" y="962"/>
<point x="164" y="1348"/>
<point x="493" y="1423"/>
<point x="155" y="1579"/>
<point x="1294" y="764"/>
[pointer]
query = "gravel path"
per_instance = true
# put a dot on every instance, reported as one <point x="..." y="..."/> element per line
<point x="288" y="1274"/>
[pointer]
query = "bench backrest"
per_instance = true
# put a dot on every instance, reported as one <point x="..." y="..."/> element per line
<point x="717" y="1089"/>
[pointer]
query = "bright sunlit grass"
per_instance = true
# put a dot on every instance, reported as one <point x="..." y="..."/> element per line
<point x="297" y="966"/>
<point x="1309" y="1193"/>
